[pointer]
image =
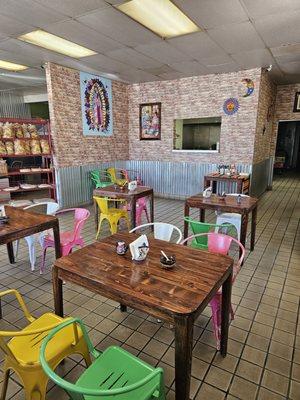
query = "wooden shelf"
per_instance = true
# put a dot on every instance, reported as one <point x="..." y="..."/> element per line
<point x="24" y="155"/>
<point x="18" y="173"/>
<point x="28" y="190"/>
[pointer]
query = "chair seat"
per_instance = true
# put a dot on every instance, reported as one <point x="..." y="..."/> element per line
<point x="230" y="215"/>
<point x="116" y="368"/>
<point x="116" y="211"/>
<point x="26" y="348"/>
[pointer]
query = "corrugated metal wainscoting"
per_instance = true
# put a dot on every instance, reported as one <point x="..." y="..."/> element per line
<point x="168" y="179"/>
<point x="12" y="105"/>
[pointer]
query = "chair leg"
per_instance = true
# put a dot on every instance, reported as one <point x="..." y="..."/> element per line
<point x="147" y="215"/>
<point x="231" y="313"/>
<point x="31" y="249"/>
<point x="99" y="227"/>
<point x="16" y="248"/>
<point x="42" y="266"/>
<point x="4" y="384"/>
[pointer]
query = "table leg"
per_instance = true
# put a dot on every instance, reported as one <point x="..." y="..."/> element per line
<point x="133" y="212"/>
<point x="225" y="313"/>
<point x="253" y="228"/>
<point x="202" y="214"/>
<point x="56" y="240"/>
<point x="240" y="186"/>
<point x="186" y="224"/>
<point x="10" y="252"/>
<point x="243" y="235"/>
<point x="152" y="208"/>
<point x="183" y="356"/>
<point x="57" y="292"/>
<point x="96" y="215"/>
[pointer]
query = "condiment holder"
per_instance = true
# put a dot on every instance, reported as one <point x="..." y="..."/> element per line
<point x="121" y="248"/>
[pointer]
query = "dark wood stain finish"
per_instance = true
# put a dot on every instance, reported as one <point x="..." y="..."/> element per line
<point x="177" y="295"/>
<point x="131" y="197"/>
<point x="242" y="182"/>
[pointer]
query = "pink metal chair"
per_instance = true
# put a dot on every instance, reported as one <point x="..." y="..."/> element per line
<point x="68" y="239"/>
<point x="219" y="243"/>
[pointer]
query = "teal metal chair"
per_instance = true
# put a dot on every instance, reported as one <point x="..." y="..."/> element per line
<point x="100" y="178"/>
<point x="200" y="242"/>
<point x="114" y="374"/>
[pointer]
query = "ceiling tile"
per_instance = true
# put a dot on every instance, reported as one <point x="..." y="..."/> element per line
<point x="259" y="8"/>
<point x="136" y="75"/>
<point x="73" y="8"/>
<point x="105" y="63"/>
<point x="213" y="13"/>
<point x="279" y="29"/>
<point x="254" y="58"/>
<point x="12" y="27"/>
<point x="173" y="75"/>
<point x="133" y="58"/>
<point x="163" y="52"/>
<point x="190" y="67"/>
<point x="160" y="70"/>
<point x="197" y="45"/>
<point x="119" y="27"/>
<point x="217" y="60"/>
<point x="81" y="34"/>
<point x="290" y="68"/>
<point x="237" y="37"/>
<point x="286" y="50"/>
<point x="29" y="12"/>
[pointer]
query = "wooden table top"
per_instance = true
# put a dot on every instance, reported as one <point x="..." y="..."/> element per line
<point x="110" y="191"/>
<point x="229" y="203"/>
<point x="185" y="289"/>
<point x="24" y="223"/>
<point x="215" y="175"/>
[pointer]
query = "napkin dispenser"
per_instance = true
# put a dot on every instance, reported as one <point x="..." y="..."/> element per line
<point x="139" y="248"/>
<point x="132" y="185"/>
<point x="207" y="192"/>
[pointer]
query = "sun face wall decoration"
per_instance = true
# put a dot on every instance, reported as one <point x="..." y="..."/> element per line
<point x="231" y="106"/>
<point x="96" y="105"/>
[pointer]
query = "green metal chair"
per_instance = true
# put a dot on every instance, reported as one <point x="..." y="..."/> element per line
<point x="114" y="374"/>
<point x="100" y="178"/>
<point x="197" y="227"/>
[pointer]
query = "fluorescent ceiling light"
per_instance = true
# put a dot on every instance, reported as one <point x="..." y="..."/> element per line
<point x="56" y="43"/>
<point x="25" y="77"/>
<point x="160" y="16"/>
<point x="11" y="66"/>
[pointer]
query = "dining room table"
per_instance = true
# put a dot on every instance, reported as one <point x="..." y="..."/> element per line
<point x="176" y="295"/>
<point x="21" y="223"/>
<point x="221" y="204"/>
<point x="131" y="196"/>
<point x="242" y="182"/>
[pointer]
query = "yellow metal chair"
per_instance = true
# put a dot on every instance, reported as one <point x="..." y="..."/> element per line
<point x="22" y="350"/>
<point x="113" y="172"/>
<point x="111" y="214"/>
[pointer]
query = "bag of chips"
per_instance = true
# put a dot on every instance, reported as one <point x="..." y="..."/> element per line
<point x="33" y="131"/>
<point x="9" y="147"/>
<point x="2" y="148"/>
<point x="18" y="131"/>
<point x="8" y="132"/>
<point x="1" y="129"/>
<point x="45" y="146"/>
<point x="26" y="132"/>
<point x="20" y="146"/>
<point x="35" y="146"/>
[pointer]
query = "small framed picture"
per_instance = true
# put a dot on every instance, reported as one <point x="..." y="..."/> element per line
<point x="150" y="121"/>
<point x="297" y="102"/>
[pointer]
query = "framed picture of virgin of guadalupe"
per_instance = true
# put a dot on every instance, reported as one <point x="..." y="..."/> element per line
<point x="150" y="121"/>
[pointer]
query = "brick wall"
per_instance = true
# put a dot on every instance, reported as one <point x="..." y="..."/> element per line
<point x="264" y="124"/>
<point x="70" y="146"/>
<point x="284" y="109"/>
<point x="200" y="96"/>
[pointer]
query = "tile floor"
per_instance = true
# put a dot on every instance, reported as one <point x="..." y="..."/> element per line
<point x="263" y="360"/>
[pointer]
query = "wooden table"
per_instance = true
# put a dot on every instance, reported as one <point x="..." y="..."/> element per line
<point x="228" y="204"/>
<point x="25" y="223"/>
<point x="177" y="296"/>
<point x="131" y="196"/>
<point x="243" y="183"/>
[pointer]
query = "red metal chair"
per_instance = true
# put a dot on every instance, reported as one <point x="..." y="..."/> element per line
<point x="68" y="239"/>
<point x="219" y="243"/>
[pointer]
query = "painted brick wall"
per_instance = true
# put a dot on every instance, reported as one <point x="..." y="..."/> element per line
<point x="200" y="96"/>
<point x="264" y="125"/>
<point x="284" y="109"/>
<point x="70" y="146"/>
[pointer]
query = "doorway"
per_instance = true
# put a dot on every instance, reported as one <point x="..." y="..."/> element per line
<point x="287" y="155"/>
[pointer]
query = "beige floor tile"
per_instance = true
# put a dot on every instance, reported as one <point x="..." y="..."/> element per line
<point x="249" y="371"/>
<point x="276" y="383"/>
<point x="242" y="389"/>
<point x="218" y="378"/>
<point x="253" y="355"/>
<point x="265" y="394"/>
<point x="278" y="365"/>
<point x="209" y="392"/>
<point x="295" y="390"/>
